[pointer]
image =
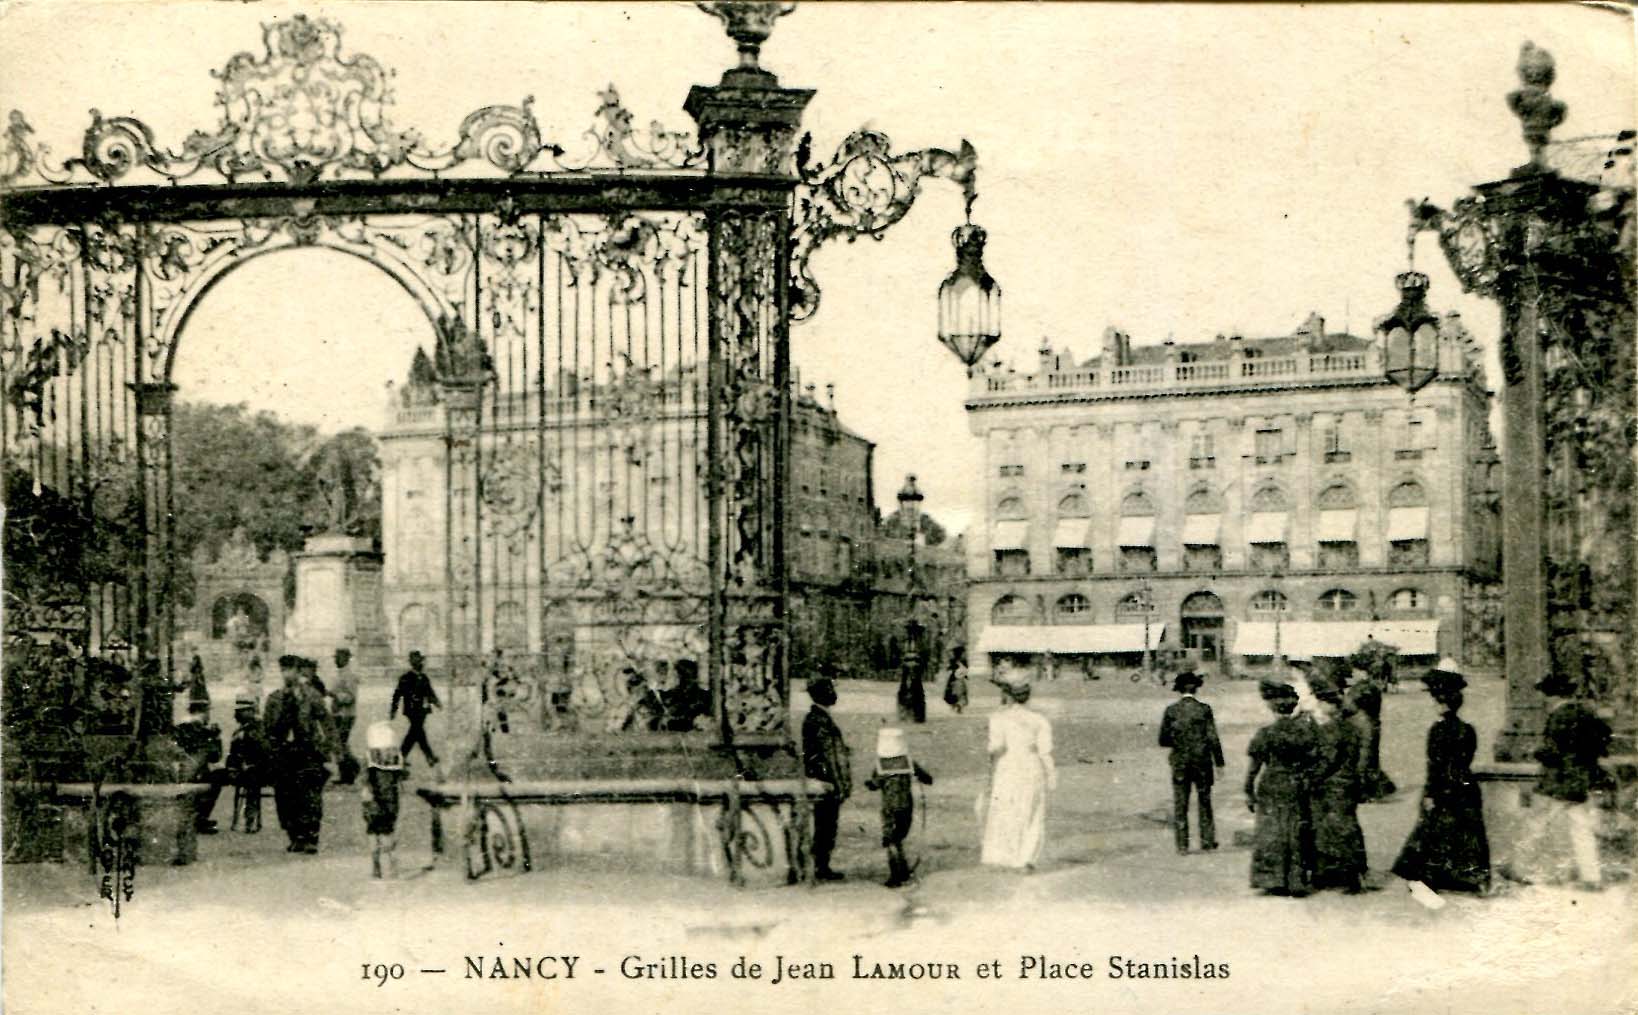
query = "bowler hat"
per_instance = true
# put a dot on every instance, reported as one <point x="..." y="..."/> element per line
<point x="822" y="690"/>
<point x="1441" y="683"/>
<point x="1188" y="680"/>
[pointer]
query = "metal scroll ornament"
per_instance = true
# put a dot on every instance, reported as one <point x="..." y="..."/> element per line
<point x="861" y="191"/>
<point x="303" y="111"/>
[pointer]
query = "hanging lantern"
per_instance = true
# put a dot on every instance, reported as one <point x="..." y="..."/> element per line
<point x="1411" y="335"/>
<point x="969" y="301"/>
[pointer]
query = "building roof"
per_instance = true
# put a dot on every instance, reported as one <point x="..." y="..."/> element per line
<point x="1223" y="348"/>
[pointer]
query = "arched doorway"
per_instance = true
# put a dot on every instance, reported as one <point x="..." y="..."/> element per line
<point x="1201" y="620"/>
<point x="241" y="618"/>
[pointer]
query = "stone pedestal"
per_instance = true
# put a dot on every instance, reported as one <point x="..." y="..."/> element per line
<point x="338" y="602"/>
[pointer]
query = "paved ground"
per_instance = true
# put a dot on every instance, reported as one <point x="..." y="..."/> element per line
<point x="253" y="929"/>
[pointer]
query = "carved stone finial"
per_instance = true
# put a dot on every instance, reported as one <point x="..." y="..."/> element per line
<point x="1536" y="109"/>
<point x="748" y="23"/>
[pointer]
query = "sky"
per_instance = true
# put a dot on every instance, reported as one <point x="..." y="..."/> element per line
<point x="1175" y="170"/>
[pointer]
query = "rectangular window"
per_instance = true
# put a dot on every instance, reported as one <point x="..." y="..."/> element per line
<point x="1269" y="447"/>
<point x="1269" y="556"/>
<point x="1011" y="563"/>
<point x="1011" y="471"/>
<point x="1336" y="556"/>
<point x="1202" y="453"/>
<point x="1202" y="558"/>
<point x="1137" y="559"/>
<point x="1411" y="443"/>
<point x="1408" y="553"/>
<point x="1331" y="445"/>
<point x="1074" y="560"/>
<point x="1073" y="468"/>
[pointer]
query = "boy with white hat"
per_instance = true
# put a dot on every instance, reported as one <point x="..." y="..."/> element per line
<point x="894" y="768"/>
<point x="384" y="771"/>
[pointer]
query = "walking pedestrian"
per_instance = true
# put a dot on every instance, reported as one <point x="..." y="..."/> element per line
<point x="344" y="707"/>
<point x="892" y="777"/>
<point x="1574" y="742"/>
<point x="1448" y="849"/>
<point x="1189" y="729"/>
<point x="1022" y="774"/>
<point x="825" y="758"/>
<point x="299" y="731"/>
<point x="1282" y="755"/>
<point x="912" y="695"/>
<point x="1373" y="675"/>
<point x="1339" y="842"/>
<point x="955" y="686"/>
<point x="416" y="696"/>
<point x="380" y="795"/>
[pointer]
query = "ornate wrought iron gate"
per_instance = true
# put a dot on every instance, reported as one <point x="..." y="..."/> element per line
<point x="610" y="356"/>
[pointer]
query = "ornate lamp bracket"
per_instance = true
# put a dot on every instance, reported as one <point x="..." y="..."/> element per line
<point x="861" y="191"/>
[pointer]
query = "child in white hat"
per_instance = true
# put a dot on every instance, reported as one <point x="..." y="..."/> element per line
<point x="384" y="771"/>
<point x="894" y="768"/>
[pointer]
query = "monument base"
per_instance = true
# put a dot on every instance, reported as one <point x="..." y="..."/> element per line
<point x="338" y="602"/>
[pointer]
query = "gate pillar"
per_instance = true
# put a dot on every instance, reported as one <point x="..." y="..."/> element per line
<point x="748" y="126"/>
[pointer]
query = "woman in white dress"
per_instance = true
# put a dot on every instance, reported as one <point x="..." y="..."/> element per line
<point x="1021" y="773"/>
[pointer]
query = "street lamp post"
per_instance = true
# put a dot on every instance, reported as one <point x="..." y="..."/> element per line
<point x="1278" y="604"/>
<point x="1148" y="611"/>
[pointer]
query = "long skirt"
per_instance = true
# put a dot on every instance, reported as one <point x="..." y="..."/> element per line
<point x="1339" y="842"/>
<point x="1015" y="820"/>
<point x="1448" y="849"/>
<point x="1280" y="842"/>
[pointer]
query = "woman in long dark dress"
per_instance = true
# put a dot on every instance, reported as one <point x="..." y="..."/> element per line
<point x="1336" y="789"/>
<point x="1282" y="755"/>
<point x="1448" y="850"/>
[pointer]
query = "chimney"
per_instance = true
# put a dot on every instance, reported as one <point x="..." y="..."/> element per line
<point x="830" y="396"/>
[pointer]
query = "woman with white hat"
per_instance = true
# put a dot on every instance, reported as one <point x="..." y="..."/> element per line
<point x="1021" y="774"/>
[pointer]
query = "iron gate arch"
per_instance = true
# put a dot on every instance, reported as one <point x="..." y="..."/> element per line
<point x="609" y="327"/>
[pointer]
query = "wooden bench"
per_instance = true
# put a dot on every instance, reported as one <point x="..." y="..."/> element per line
<point x="496" y="839"/>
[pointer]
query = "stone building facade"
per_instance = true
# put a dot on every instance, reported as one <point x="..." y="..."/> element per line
<point x="1235" y="499"/>
<point x="606" y="467"/>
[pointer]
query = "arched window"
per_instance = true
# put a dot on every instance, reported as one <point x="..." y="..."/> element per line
<point x="1135" y="604"/>
<point x="1408" y="599"/>
<point x="1202" y="604"/>
<point x="1011" y="610"/>
<point x="1270" y="601"/>
<point x="1269" y="498"/>
<point x="1010" y="508"/>
<point x="1074" y="506"/>
<point x="1408" y="494"/>
<point x="1202" y="501"/>
<point x="1336" y="497"/>
<point x="1338" y="601"/>
<point x="1137" y="503"/>
<point x="1073" y="605"/>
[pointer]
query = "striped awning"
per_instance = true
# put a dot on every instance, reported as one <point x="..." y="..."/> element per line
<point x="1202" y="530"/>
<point x="1307" y="639"/>
<point x="1338" y="526"/>
<point x="1407" y="523"/>
<point x="1136" y="530"/>
<point x="1067" y="639"/>
<point x="1070" y="533"/>
<point x="1266" y="527"/>
<point x="1010" y="535"/>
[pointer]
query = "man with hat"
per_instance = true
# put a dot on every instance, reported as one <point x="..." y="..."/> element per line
<point x="416" y="696"/>
<point x="1574" y="742"/>
<point x="1190" y="731"/>
<point x="247" y="762"/>
<point x="825" y="758"/>
<point x="299" y="731"/>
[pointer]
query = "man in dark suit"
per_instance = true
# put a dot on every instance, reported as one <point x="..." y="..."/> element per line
<point x="415" y="695"/>
<point x="300" y="733"/>
<point x="825" y="758"/>
<point x="1189" y="730"/>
